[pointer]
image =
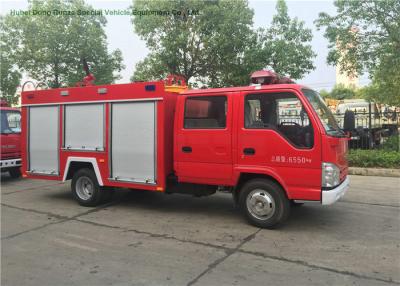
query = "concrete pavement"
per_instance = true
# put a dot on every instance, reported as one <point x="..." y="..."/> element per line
<point x="144" y="238"/>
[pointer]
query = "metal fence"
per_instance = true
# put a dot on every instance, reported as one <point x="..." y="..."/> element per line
<point x="372" y="130"/>
<point x="14" y="123"/>
<point x="371" y="120"/>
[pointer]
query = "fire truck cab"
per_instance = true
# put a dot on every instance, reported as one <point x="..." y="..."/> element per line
<point x="10" y="154"/>
<point x="149" y="135"/>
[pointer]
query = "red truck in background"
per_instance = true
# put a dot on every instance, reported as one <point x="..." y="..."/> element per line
<point x="166" y="138"/>
<point x="10" y="154"/>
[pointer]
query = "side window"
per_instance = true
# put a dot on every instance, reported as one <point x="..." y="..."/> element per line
<point x="282" y="112"/>
<point x="291" y="112"/>
<point x="205" y="112"/>
<point x="10" y="121"/>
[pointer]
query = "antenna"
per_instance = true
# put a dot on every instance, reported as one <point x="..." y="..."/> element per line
<point x="89" y="78"/>
<point x="85" y="66"/>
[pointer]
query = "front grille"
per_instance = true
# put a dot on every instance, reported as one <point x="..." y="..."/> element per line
<point x="10" y="163"/>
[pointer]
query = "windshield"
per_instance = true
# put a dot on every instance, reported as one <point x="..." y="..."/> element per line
<point x="10" y="121"/>
<point x="323" y="112"/>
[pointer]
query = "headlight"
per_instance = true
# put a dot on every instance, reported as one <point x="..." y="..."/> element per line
<point x="330" y="175"/>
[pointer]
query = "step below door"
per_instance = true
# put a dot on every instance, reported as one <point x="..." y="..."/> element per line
<point x="133" y="137"/>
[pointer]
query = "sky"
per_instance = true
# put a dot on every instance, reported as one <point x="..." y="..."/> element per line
<point x="120" y="34"/>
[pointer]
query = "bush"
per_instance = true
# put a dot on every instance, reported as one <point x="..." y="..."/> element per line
<point x="392" y="143"/>
<point x="374" y="158"/>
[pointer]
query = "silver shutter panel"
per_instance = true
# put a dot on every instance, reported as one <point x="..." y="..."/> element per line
<point x="43" y="139"/>
<point x="133" y="142"/>
<point x="84" y="127"/>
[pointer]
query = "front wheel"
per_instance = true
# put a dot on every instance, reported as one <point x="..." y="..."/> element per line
<point x="86" y="189"/>
<point x="15" y="172"/>
<point x="264" y="203"/>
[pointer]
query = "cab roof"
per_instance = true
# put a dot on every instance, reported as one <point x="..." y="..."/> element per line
<point x="244" y="88"/>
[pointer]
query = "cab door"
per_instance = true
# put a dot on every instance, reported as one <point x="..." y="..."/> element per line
<point x="277" y="135"/>
<point x="203" y="139"/>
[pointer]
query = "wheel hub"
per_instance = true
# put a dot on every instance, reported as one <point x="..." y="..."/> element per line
<point x="260" y="204"/>
<point x="84" y="188"/>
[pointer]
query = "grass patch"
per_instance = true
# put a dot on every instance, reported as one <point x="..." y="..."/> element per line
<point x="374" y="158"/>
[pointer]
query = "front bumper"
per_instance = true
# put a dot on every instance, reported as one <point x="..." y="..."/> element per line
<point x="11" y="163"/>
<point x="331" y="196"/>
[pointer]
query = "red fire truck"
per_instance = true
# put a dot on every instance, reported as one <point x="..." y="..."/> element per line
<point x="166" y="138"/>
<point x="10" y="154"/>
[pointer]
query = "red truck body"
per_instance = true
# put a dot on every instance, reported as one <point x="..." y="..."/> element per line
<point x="10" y="154"/>
<point x="156" y="139"/>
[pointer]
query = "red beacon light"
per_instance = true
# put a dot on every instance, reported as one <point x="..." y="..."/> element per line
<point x="265" y="77"/>
<point x="173" y="79"/>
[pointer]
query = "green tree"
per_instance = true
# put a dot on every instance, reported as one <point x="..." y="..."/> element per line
<point x="49" y="48"/>
<point x="340" y="91"/>
<point x="286" y="45"/>
<point x="218" y="47"/>
<point x="10" y="77"/>
<point x="385" y="86"/>
<point x="208" y="46"/>
<point x="364" y="37"/>
<point x="324" y="93"/>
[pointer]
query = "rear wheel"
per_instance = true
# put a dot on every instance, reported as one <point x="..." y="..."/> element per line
<point x="15" y="173"/>
<point x="86" y="189"/>
<point x="264" y="203"/>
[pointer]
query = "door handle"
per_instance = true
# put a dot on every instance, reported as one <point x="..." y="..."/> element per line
<point x="249" y="151"/>
<point x="187" y="149"/>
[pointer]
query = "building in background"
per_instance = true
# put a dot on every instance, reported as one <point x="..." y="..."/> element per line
<point x="342" y="78"/>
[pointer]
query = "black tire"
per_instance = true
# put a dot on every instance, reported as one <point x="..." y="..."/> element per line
<point x="108" y="193"/>
<point x="15" y="173"/>
<point x="349" y="121"/>
<point x="270" y="194"/>
<point x="86" y="189"/>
